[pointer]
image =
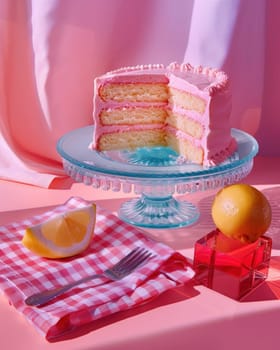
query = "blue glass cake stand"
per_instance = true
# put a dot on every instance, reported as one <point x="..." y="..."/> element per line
<point x="155" y="174"/>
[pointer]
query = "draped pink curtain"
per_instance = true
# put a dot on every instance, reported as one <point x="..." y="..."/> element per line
<point x="51" y="50"/>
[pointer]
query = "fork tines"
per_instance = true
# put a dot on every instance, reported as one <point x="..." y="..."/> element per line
<point x="134" y="259"/>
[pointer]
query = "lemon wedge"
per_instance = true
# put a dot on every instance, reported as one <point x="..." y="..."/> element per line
<point x="63" y="236"/>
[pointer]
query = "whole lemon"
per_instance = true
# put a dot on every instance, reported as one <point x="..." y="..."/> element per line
<point x="242" y="212"/>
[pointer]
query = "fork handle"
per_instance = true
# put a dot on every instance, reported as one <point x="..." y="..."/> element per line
<point x="45" y="296"/>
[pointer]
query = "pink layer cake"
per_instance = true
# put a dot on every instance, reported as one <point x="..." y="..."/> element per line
<point x="184" y="107"/>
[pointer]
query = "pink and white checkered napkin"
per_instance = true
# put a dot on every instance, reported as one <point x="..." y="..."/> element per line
<point x="22" y="273"/>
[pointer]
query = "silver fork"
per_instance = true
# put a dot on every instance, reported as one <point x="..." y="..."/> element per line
<point x="120" y="270"/>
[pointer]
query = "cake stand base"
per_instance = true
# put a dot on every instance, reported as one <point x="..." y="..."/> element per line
<point x="158" y="212"/>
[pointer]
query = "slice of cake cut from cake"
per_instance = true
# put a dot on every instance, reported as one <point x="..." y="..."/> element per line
<point x="184" y="107"/>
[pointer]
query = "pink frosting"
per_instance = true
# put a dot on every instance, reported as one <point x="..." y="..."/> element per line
<point x="209" y="84"/>
<point x="205" y="78"/>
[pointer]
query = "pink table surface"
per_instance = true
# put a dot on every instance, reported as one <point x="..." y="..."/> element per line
<point x="191" y="317"/>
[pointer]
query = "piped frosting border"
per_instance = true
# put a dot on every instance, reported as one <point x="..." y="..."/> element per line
<point x="219" y="77"/>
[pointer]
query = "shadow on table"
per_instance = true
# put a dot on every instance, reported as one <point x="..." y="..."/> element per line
<point x="169" y="297"/>
<point x="269" y="289"/>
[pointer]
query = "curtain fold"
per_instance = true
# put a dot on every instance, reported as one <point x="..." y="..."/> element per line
<point x="50" y="52"/>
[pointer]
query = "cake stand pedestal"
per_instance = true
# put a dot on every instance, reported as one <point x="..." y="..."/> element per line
<point x="155" y="174"/>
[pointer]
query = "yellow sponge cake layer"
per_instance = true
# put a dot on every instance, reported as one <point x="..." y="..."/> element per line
<point x="132" y="139"/>
<point x="134" y="92"/>
<point x="185" y="124"/>
<point x="185" y="148"/>
<point x="187" y="100"/>
<point x="133" y="115"/>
